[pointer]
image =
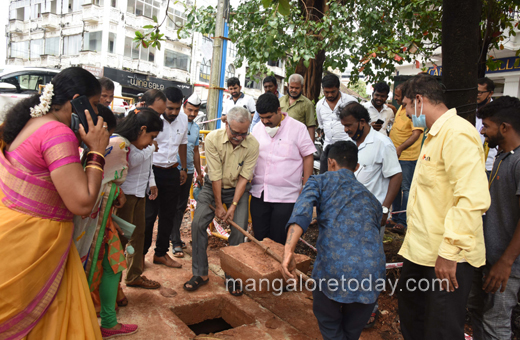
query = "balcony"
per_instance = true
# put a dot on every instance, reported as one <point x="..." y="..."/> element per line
<point x="92" y="13"/>
<point x="16" y="26"/>
<point x="116" y="16"/>
<point x="50" y="21"/>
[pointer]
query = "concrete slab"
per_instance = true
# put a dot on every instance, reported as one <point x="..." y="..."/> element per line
<point x="251" y="263"/>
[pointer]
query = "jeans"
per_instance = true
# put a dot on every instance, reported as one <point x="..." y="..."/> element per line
<point x="175" y="237"/>
<point x="426" y="312"/>
<point x="491" y="313"/>
<point x="340" y="321"/>
<point x="401" y="200"/>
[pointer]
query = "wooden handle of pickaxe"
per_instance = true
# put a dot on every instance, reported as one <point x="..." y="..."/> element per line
<point x="266" y="249"/>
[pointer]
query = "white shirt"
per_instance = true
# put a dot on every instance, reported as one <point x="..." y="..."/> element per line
<point x="169" y="139"/>
<point x="378" y="162"/>
<point x="386" y="114"/>
<point x="328" y="120"/>
<point x="140" y="174"/>
<point x="244" y="100"/>
<point x="492" y="152"/>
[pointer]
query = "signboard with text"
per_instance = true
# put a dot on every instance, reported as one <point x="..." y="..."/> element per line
<point x="145" y="82"/>
<point x="508" y="65"/>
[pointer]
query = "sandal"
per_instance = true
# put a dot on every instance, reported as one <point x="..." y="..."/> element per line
<point x="375" y="316"/>
<point x="398" y="229"/>
<point x="232" y="287"/>
<point x="195" y="282"/>
<point x="183" y="245"/>
<point x="143" y="282"/>
<point x="177" y="252"/>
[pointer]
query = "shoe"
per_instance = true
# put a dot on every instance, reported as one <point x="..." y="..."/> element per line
<point x="167" y="261"/>
<point x="143" y="282"/>
<point x="177" y="252"/>
<point x="113" y="333"/>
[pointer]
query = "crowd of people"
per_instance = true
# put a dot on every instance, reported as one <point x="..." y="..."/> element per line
<point x="453" y="193"/>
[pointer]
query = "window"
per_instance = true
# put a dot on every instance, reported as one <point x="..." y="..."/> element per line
<point x="38" y="10"/>
<point x="232" y="50"/>
<point x="138" y="52"/>
<point x="176" y="18"/>
<point x="36" y="48"/>
<point x="52" y="46"/>
<point x="20" y="49"/>
<point x="176" y="60"/>
<point x="275" y="63"/>
<point x="111" y="42"/>
<point x="113" y="3"/>
<point x="30" y="81"/>
<point x="205" y="70"/>
<point x="72" y="44"/>
<point x="147" y="8"/>
<point x="252" y="84"/>
<point x="20" y="14"/>
<point x="72" y="5"/>
<point x="92" y="41"/>
<point x="230" y="72"/>
<point x="53" y="6"/>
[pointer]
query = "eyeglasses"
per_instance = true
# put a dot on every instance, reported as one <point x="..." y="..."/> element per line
<point x="236" y="134"/>
<point x="479" y="93"/>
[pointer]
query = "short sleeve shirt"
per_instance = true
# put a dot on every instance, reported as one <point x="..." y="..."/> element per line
<point x="247" y="102"/>
<point x="329" y="121"/>
<point x="193" y="141"/>
<point x="386" y="115"/>
<point x="302" y="110"/>
<point x="227" y="163"/>
<point x="401" y="131"/>
<point x="504" y="213"/>
<point x="378" y="162"/>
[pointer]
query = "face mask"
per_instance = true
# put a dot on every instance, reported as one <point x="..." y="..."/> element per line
<point x="271" y="131"/>
<point x="421" y="120"/>
<point x="359" y="133"/>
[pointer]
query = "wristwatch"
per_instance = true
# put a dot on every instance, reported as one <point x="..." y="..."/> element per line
<point x="385" y="210"/>
<point x="184" y="169"/>
<point x="235" y="204"/>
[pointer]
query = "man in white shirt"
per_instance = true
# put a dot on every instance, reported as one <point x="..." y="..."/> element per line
<point x="237" y="99"/>
<point x="172" y="140"/>
<point x="379" y="168"/>
<point x="327" y="111"/>
<point x="381" y="116"/>
<point x="486" y="88"/>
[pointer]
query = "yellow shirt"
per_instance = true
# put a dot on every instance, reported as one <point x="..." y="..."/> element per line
<point x="227" y="163"/>
<point x="448" y="196"/>
<point x="401" y="131"/>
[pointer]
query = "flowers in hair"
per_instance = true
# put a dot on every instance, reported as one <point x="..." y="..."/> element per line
<point x="45" y="102"/>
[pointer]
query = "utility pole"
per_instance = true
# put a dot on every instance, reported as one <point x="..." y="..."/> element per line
<point x="214" y="82"/>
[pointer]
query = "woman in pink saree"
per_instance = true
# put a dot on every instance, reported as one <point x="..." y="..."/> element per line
<point x="43" y="289"/>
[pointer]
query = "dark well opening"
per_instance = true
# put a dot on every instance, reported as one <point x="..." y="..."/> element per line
<point x="220" y="312"/>
<point x="210" y="326"/>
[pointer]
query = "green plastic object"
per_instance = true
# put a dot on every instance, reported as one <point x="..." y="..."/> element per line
<point x="126" y="227"/>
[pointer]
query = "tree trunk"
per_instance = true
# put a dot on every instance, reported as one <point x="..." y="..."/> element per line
<point x="460" y="55"/>
<point x="312" y="76"/>
<point x="314" y="10"/>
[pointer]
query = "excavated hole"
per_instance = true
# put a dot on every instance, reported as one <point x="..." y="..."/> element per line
<point x="212" y="316"/>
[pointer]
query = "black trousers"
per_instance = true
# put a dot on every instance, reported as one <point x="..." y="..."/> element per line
<point x="168" y="184"/>
<point x="340" y="321"/>
<point x="175" y="237"/>
<point x="426" y="312"/>
<point x="270" y="219"/>
<point x="324" y="165"/>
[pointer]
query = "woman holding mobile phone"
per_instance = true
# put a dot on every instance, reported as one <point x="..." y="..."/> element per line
<point x="44" y="290"/>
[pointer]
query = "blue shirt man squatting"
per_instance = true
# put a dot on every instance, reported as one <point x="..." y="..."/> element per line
<point x="349" y="245"/>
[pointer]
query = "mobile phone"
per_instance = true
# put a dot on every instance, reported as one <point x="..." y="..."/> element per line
<point x="379" y="121"/>
<point x="79" y="105"/>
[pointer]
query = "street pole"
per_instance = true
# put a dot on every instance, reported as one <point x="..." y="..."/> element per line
<point x="214" y="82"/>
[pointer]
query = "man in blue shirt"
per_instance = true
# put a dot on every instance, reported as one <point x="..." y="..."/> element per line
<point x="349" y="271"/>
<point x="191" y="109"/>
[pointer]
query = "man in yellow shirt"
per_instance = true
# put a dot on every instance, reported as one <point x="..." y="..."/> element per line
<point x="407" y="141"/>
<point x="231" y="154"/>
<point x="445" y="241"/>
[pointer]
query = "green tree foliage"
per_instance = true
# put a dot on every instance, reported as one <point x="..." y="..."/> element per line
<point x="369" y="36"/>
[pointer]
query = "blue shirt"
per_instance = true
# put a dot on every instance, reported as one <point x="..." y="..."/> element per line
<point x="349" y="244"/>
<point x="193" y="140"/>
